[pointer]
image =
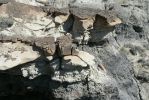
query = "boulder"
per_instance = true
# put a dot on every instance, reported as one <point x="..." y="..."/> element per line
<point x="12" y="55"/>
<point x="65" y="45"/>
<point x="47" y="44"/>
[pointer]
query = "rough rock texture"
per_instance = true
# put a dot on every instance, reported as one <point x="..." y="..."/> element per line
<point x="74" y="49"/>
<point x="15" y="54"/>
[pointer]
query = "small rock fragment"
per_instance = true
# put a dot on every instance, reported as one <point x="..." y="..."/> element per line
<point x="61" y="18"/>
<point x="114" y="22"/>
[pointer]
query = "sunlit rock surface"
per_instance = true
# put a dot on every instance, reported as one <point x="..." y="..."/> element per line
<point x="74" y="49"/>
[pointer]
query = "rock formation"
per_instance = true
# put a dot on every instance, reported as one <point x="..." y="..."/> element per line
<point x="74" y="49"/>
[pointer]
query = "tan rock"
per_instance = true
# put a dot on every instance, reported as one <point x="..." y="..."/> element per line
<point x="27" y="12"/>
<point x="115" y="21"/>
<point x="80" y="29"/>
<point x="3" y="10"/>
<point x="40" y="23"/>
<point x="61" y="18"/>
<point x="74" y="61"/>
<point x="87" y="58"/>
<point x="87" y="23"/>
<point x="80" y="25"/>
<point x="65" y="44"/>
<point x="15" y="54"/>
<point x="47" y="44"/>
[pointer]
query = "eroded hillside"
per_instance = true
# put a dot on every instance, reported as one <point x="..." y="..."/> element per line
<point x="74" y="49"/>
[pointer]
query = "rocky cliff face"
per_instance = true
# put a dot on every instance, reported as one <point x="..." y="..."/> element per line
<point x="74" y="49"/>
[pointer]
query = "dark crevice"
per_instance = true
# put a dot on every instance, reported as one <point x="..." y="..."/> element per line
<point x="137" y="82"/>
<point x="140" y="96"/>
<point x="87" y="84"/>
<point x="101" y="43"/>
<point x="133" y="52"/>
<point x="116" y="40"/>
<point x="137" y="29"/>
<point x="68" y="24"/>
<point x="14" y="87"/>
<point x="142" y="79"/>
<point x="58" y="54"/>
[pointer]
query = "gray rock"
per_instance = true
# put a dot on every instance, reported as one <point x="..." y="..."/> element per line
<point x="5" y="22"/>
<point x="108" y="62"/>
<point x="34" y="70"/>
<point x="144" y="91"/>
<point x="4" y="1"/>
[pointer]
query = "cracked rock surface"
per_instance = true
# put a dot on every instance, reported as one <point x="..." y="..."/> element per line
<point x="74" y="49"/>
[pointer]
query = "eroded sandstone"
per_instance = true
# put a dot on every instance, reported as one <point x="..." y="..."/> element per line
<point x="16" y="54"/>
<point x="74" y="49"/>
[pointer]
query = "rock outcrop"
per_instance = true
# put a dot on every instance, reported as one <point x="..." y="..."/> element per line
<point x="74" y="49"/>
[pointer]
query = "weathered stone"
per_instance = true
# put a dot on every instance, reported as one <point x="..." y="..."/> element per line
<point x="30" y="2"/>
<point x="34" y="70"/>
<point x="144" y="91"/>
<point x="60" y="4"/>
<point x="12" y="55"/>
<point x="83" y="24"/>
<point x="47" y="44"/>
<point x="112" y="66"/>
<point x="71" y="73"/>
<point x="42" y="1"/>
<point x="65" y="45"/>
<point x="114" y="22"/>
<point x="6" y="38"/>
<point x="73" y="61"/>
<point x="61" y="18"/>
<point x="40" y="23"/>
<point x="4" y="1"/>
<point x="5" y="22"/>
<point x="3" y="11"/>
<point x="27" y="12"/>
<point x="87" y="58"/>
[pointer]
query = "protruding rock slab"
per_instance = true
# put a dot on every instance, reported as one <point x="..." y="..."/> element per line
<point x="81" y="28"/>
<point x="65" y="45"/>
<point x="19" y="10"/>
<point x="47" y="44"/>
<point x="61" y="18"/>
<point x="15" y="54"/>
